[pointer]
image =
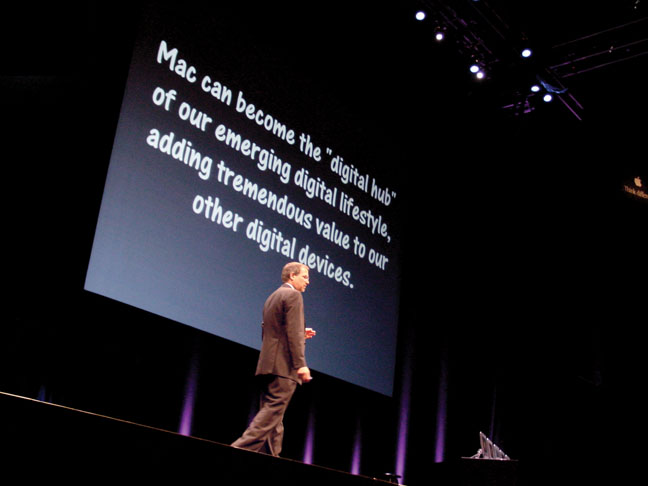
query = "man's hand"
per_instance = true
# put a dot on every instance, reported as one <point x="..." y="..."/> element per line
<point x="310" y="332"/>
<point x="304" y="374"/>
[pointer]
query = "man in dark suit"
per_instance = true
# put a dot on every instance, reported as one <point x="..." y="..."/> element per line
<point x="282" y="361"/>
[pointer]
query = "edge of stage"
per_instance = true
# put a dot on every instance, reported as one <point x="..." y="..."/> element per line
<point x="54" y="441"/>
<point x="57" y="442"/>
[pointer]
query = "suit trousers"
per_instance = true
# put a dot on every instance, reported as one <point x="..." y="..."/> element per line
<point x="267" y="426"/>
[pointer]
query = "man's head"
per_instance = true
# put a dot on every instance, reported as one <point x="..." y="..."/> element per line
<point x="296" y="274"/>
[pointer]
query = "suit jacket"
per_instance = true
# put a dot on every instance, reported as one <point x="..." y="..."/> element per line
<point x="284" y="342"/>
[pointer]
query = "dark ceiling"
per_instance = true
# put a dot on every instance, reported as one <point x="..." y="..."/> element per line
<point x="591" y="54"/>
<point x="590" y="49"/>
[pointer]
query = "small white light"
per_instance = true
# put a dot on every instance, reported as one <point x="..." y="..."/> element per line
<point x="439" y="36"/>
<point x="420" y="15"/>
<point x="526" y="53"/>
<point x="480" y="75"/>
<point x="474" y="68"/>
<point x="547" y="98"/>
<point x="535" y="88"/>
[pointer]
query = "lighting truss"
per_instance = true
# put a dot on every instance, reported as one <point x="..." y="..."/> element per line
<point x="482" y="35"/>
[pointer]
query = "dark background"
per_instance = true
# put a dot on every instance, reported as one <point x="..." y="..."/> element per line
<point x="524" y="269"/>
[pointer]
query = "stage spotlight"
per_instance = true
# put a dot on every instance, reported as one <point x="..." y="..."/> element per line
<point x="477" y="70"/>
<point x="526" y="53"/>
<point x="439" y="35"/>
<point x="535" y="88"/>
<point x="420" y="15"/>
<point x="547" y="98"/>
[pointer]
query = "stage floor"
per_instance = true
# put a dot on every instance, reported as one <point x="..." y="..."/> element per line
<point x="46" y="441"/>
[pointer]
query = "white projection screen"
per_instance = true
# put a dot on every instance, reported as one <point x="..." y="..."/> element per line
<point x="226" y="165"/>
